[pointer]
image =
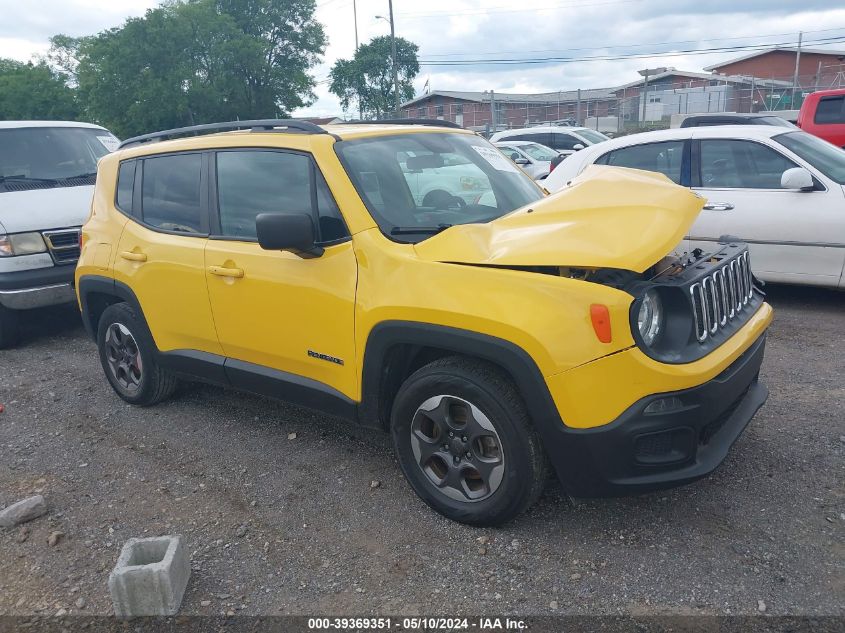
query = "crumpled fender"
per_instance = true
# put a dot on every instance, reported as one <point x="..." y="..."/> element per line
<point x="609" y="217"/>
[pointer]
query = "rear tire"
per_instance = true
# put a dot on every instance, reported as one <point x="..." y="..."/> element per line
<point x="465" y="442"/>
<point x="9" y="328"/>
<point x="127" y="354"/>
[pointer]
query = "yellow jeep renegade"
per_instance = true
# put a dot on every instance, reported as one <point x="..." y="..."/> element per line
<point x="411" y="278"/>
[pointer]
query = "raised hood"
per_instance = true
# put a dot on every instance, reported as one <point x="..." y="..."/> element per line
<point x="610" y="217"/>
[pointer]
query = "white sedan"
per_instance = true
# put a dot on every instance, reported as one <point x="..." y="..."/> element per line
<point x="534" y="158"/>
<point x="782" y="191"/>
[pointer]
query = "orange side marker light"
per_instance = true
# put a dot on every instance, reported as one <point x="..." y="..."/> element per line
<point x="600" y="316"/>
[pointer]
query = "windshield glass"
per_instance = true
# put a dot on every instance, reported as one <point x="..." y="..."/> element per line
<point x="538" y="152"/>
<point x="417" y="184"/>
<point x="52" y="153"/>
<point x="593" y="136"/>
<point x="827" y="158"/>
<point x="774" y="120"/>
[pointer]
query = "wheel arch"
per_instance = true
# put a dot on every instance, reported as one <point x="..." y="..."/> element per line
<point x="96" y="293"/>
<point x="395" y="349"/>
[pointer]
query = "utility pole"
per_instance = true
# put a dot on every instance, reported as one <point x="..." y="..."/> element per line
<point x="360" y="88"/>
<point x="795" y="76"/>
<point x="393" y="55"/>
<point x="355" y="20"/>
<point x="493" y="116"/>
<point x="578" y="108"/>
<point x="645" y="96"/>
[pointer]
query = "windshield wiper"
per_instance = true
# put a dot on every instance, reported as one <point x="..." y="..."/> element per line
<point x="85" y="175"/>
<point x="21" y="177"/>
<point x="424" y="230"/>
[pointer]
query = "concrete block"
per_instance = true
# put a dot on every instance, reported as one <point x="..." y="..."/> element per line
<point x="150" y="577"/>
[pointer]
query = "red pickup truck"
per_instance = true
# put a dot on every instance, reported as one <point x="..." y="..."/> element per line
<point x="823" y="114"/>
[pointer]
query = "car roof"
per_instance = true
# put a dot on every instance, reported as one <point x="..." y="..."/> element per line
<point x="545" y="128"/>
<point x="28" y="124"/>
<point x="270" y="138"/>
<point x="515" y="143"/>
<point x="730" y="115"/>
<point x="710" y="131"/>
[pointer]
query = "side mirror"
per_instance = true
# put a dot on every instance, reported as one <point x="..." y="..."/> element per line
<point x="797" y="178"/>
<point x="521" y="161"/>
<point x="292" y="232"/>
<point x="577" y="147"/>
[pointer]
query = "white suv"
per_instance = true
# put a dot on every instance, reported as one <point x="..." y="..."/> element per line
<point x="47" y="175"/>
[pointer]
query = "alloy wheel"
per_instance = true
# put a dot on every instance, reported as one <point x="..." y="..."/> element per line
<point x="124" y="357"/>
<point x="457" y="448"/>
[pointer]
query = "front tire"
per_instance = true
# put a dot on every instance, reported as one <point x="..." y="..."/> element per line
<point x="127" y="354"/>
<point x="9" y="328"/>
<point x="465" y="442"/>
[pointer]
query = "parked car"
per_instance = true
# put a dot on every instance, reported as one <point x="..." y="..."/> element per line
<point x="491" y="340"/>
<point x="47" y="173"/>
<point x="779" y="190"/>
<point x="823" y="114"/>
<point x="563" y="139"/>
<point x="534" y="158"/>
<point x="735" y="118"/>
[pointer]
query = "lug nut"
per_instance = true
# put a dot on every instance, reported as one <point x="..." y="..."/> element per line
<point x="468" y="454"/>
<point x="464" y="438"/>
<point x="451" y="434"/>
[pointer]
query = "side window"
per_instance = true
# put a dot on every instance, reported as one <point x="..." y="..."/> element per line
<point x="332" y="226"/>
<point x="735" y="164"/>
<point x="170" y="196"/>
<point x="537" y="137"/>
<point x="830" y="110"/>
<point x="565" y="142"/>
<point x="125" y="186"/>
<point x="665" y="158"/>
<point x="250" y="182"/>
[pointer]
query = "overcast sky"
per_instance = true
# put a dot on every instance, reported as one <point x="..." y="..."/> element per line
<point x="479" y="29"/>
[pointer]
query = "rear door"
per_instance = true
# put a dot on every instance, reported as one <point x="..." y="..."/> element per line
<point x="786" y="230"/>
<point x="160" y="255"/>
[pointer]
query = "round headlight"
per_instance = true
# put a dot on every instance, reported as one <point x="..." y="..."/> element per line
<point x="650" y="317"/>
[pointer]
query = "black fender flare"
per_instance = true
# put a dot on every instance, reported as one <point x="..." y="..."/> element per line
<point x="510" y="357"/>
<point x="91" y="285"/>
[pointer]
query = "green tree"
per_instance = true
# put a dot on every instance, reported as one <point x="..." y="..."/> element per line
<point x="198" y="61"/>
<point x="367" y="79"/>
<point x="34" y="91"/>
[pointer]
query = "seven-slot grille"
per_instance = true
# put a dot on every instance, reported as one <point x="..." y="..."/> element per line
<point x="63" y="245"/>
<point x="721" y="296"/>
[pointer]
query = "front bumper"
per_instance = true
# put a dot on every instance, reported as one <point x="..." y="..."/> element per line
<point x="26" y="289"/>
<point x="642" y="451"/>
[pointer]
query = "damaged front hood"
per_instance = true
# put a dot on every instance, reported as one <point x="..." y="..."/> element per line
<point x="610" y="217"/>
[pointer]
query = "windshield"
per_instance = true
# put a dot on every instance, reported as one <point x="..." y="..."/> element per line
<point x="415" y="185"/>
<point x="538" y="152"/>
<point x="593" y="136"/>
<point x="52" y="153"/>
<point x="774" y="120"/>
<point x="827" y="158"/>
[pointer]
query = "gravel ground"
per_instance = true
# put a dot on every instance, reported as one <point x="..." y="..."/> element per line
<point x="281" y="516"/>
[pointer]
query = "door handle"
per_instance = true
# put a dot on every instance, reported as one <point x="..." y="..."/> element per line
<point x="133" y="257"/>
<point x="221" y="271"/>
<point x="718" y="206"/>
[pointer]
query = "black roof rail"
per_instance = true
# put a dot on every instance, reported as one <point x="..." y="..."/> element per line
<point x="430" y="122"/>
<point x="305" y="127"/>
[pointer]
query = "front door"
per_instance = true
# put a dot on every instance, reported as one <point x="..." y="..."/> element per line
<point x="160" y="254"/>
<point x="787" y="230"/>
<point x="273" y="309"/>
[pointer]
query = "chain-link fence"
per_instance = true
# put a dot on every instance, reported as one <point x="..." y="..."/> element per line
<point x="655" y="104"/>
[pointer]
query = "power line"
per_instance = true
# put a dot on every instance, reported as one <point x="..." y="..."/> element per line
<point x="440" y="14"/>
<point x="615" y="46"/>
<point x="566" y="60"/>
